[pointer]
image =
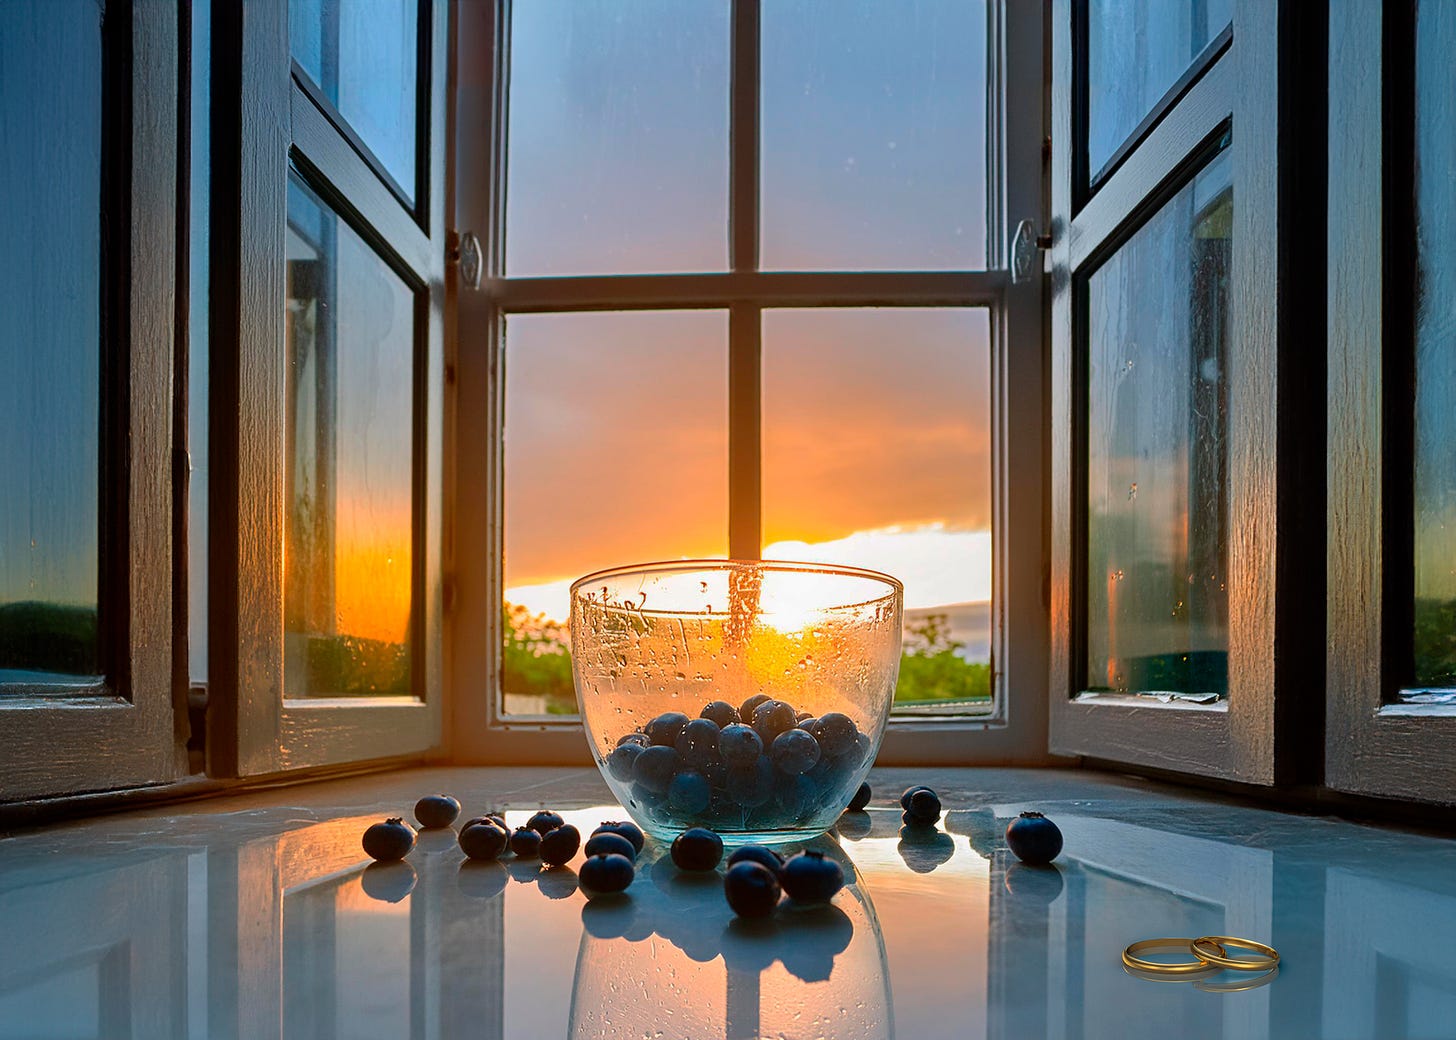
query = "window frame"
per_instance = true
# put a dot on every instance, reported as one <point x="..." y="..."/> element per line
<point x="129" y="732"/>
<point x="1013" y="731"/>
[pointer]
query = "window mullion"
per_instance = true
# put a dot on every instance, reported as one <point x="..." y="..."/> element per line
<point x="745" y="459"/>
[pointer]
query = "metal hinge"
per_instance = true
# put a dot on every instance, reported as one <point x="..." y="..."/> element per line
<point x="463" y="250"/>
<point x="1025" y="244"/>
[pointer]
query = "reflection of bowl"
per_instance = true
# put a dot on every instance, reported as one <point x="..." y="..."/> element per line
<point x="674" y="637"/>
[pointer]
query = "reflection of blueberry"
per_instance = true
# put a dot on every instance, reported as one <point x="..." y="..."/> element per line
<point x="697" y="848"/>
<point x="605" y="843"/>
<point x="388" y="882"/>
<point x="557" y="883"/>
<point x="689" y="793"/>
<point x="621" y="760"/>
<point x="772" y="718"/>
<point x="752" y="889"/>
<point x="721" y="713"/>
<point x="836" y="732"/>
<point x="1034" y="838"/>
<point x="391" y="840"/>
<point x="794" y="751"/>
<point x="861" y="798"/>
<point x="760" y="854"/>
<point x="810" y="877"/>
<point x="481" y="879"/>
<point x="544" y="822"/>
<point x="925" y="848"/>
<point x="663" y="731"/>
<point x="739" y="745"/>
<point x="753" y="785"/>
<point x="436" y="810"/>
<point x="812" y="938"/>
<point x="698" y="742"/>
<point x="747" y="708"/>
<point x="608" y="918"/>
<point x="482" y="841"/>
<point x="924" y="806"/>
<point x="523" y="870"/>
<point x="560" y="845"/>
<point x="625" y="828"/>
<point x="654" y="768"/>
<point x="1032" y="885"/>
<point x="526" y="843"/>
<point x="854" y="824"/>
<point x="606" y="872"/>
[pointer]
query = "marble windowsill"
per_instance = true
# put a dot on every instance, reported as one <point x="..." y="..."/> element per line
<point x="254" y="916"/>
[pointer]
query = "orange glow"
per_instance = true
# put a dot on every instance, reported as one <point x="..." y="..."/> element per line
<point x="372" y="589"/>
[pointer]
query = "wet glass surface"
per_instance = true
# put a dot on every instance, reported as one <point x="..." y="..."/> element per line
<point x="259" y="915"/>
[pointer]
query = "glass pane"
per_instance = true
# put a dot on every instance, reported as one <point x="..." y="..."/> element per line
<point x="1136" y="52"/>
<point x="347" y="578"/>
<point x="618" y="154"/>
<point x="1435" y="428"/>
<point x="1157" y="479"/>
<point x="873" y="134"/>
<point x="50" y="340"/>
<point x="364" y="56"/>
<point x="616" y="451"/>
<point x="877" y="453"/>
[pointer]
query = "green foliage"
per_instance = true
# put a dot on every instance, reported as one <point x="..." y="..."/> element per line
<point x="1435" y="642"/>
<point x="536" y="659"/>
<point x="48" y="637"/>
<point x="353" y="666"/>
<point x="930" y="669"/>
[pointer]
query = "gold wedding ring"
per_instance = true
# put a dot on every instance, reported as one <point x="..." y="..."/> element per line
<point x="1211" y="949"/>
<point x="1197" y="966"/>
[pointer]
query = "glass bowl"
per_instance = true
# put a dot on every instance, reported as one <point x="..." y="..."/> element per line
<point x="810" y="650"/>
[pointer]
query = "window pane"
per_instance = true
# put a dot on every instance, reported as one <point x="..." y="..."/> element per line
<point x="1435" y="432"/>
<point x="50" y="340"/>
<point x="364" y="56"/>
<point x="618" y="153"/>
<point x="877" y="453"/>
<point x="616" y="451"/>
<point x="1136" y="52"/>
<point x="347" y="578"/>
<point x="1157" y="480"/>
<point x="873" y="134"/>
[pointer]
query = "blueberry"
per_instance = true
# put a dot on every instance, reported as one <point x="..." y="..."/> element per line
<point x="1033" y="838"/>
<point x="857" y="753"/>
<point x="482" y="841"/>
<point x="751" y="888"/>
<point x="391" y="840"/>
<point x="924" y="806"/>
<point x="544" y="822"/>
<point x="436" y="810"/>
<point x="807" y="721"/>
<point x="772" y="718"/>
<point x="739" y="744"/>
<point x="794" y="752"/>
<point x="905" y="798"/>
<point x="746" y="709"/>
<point x="689" y="792"/>
<point x="606" y="872"/>
<point x="493" y="819"/>
<point x="752" y="785"/>
<point x="794" y="794"/>
<point x="663" y="731"/>
<point x="697" y="848"/>
<point x="721" y="713"/>
<point x="627" y="829"/>
<point x="636" y="737"/>
<point x="654" y="768"/>
<point x="810" y="877"/>
<point x="836" y="733"/>
<point x="622" y="759"/>
<point x="698" y="742"/>
<point x="607" y="843"/>
<point x="560" y="845"/>
<point x="525" y="843"/>
<point x="760" y="854"/>
<point x="802" y="717"/>
<point x="861" y="798"/>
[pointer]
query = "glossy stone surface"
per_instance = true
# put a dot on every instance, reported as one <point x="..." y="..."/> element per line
<point x="259" y="916"/>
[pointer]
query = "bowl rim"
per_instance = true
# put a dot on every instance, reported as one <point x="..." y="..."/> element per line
<point x="897" y="587"/>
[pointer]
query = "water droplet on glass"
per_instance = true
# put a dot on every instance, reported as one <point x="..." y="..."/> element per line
<point x="1131" y="492"/>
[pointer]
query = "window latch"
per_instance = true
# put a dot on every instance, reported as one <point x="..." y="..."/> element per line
<point x="1025" y="244"/>
<point x="463" y="250"/>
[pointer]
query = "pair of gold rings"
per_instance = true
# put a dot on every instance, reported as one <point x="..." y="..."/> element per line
<point x="1210" y="954"/>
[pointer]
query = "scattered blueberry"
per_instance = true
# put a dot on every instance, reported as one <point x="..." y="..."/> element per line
<point x="627" y="829"/>
<point x="689" y="792"/>
<point x="664" y="730"/>
<point x="746" y="709"/>
<point x="751" y="888"/>
<point x="721" y="713"/>
<point x="836" y="733"/>
<point x="905" y="798"/>
<point x="924" y="806"/>
<point x="739" y="744"/>
<point x="861" y="798"/>
<point x="636" y="737"/>
<point x="525" y="843"/>
<point x="436" y="810"/>
<point x="654" y="768"/>
<point x="760" y="854"/>
<point x="544" y="822"/>
<point x="698" y="742"/>
<point x="391" y="840"/>
<point x="811" y="877"/>
<point x="606" y="872"/>
<point x="483" y="841"/>
<point x="607" y="843"/>
<point x="794" y="751"/>
<point x="697" y="848"/>
<point x="1033" y="838"/>
<point x="772" y="718"/>
<point x="560" y="845"/>
<point x="622" y="759"/>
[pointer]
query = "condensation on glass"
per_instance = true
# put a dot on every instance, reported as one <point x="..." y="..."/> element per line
<point x="617" y="157"/>
<point x="1435" y="347"/>
<point x="50" y="343"/>
<point x="349" y="478"/>
<point x="873" y="135"/>
<point x="1136" y="52"/>
<point x="839" y="487"/>
<point x="1157" y="470"/>
<point x="616" y="452"/>
<point x="364" y="56"/>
